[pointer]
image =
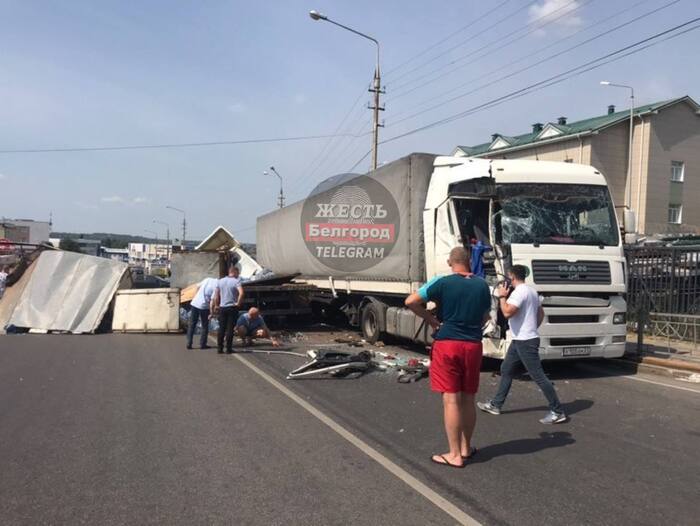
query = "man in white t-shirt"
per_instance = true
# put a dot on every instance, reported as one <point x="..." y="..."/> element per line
<point x="525" y="314"/>
<point x="200" y="308"/>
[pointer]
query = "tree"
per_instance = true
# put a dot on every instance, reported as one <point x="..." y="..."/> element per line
<point x="111" y="242"/>
<point x="70" y="245"/>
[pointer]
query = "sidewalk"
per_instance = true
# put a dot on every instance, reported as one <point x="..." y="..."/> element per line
<point x="679" y="358"/>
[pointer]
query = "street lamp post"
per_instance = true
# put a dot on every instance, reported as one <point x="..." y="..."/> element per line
<point x="280" y="198"/>
<point x="628" y="186"/>
<point x="167" y="234"/>
<point x="376" y="89"/>
<point x="184" y="225"/>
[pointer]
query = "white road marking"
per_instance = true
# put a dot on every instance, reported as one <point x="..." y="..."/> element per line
<point x="662" y="384"/>
<point x="639" y="379"/>
<point x="368" y="450"/>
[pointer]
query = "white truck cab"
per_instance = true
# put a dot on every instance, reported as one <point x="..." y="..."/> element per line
<point x="555" y="218"/>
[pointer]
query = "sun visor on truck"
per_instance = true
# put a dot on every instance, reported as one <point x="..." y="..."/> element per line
<point x="480" y="187"/>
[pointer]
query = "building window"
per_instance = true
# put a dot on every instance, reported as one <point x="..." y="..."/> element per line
<point x="677" y="169"/>
<point x="675" y="213"/>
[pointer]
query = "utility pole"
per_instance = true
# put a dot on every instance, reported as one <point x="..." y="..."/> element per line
<point x="376" y="84"/>
<point x="184" y="225"/>
<point x="377" y="90"/>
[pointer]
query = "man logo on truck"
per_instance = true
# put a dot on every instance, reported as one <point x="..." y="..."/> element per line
<point x="353" y="227"/>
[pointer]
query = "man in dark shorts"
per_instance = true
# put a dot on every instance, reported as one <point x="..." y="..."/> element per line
<point x="463" y="303"/>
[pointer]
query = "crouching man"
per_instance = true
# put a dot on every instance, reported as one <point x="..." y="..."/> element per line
<point x="251" y="325"/>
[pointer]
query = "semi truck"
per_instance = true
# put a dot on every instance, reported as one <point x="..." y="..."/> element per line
<point x="366" y="241"/>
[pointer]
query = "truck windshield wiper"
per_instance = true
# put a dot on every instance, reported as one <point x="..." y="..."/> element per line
<point x="592" y="240"/>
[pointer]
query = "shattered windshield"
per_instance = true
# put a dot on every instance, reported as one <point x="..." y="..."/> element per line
<point x="560" y="214"/>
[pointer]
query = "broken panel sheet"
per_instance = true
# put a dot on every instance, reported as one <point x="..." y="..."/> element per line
<point x="68" y="292"/>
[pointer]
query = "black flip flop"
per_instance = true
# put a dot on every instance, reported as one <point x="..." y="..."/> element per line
<point x="446" y="463"/>
<point x="472" y="451"/>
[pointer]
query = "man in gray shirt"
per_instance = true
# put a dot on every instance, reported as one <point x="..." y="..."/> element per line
<point x="228" y="298"/>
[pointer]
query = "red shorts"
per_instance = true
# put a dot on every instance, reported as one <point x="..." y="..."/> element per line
<point x="455" y="366"/>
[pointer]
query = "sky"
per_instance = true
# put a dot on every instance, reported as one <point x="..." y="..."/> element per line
<point x="85" y="74"/>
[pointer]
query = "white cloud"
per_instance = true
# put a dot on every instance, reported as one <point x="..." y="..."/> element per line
<point x="112" y="199"/>
<point x="237" y="107"/>
<point x="561" y="13"/>
<point x="127" y="201"/>
<point x="2" y="176"/>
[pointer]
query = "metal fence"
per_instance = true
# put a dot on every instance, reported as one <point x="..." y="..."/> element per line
<point x="683" y="327"/>
<point x="664" y="281"/>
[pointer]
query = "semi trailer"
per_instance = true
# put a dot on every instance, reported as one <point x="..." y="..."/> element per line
<point x="367" y="241"/>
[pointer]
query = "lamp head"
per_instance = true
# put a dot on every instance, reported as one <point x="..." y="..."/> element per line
<point x="315" y="15"/>
<point x="605" y="83"/>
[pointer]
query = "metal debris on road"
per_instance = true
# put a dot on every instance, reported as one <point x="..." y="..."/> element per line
<point x="337" y="364"/>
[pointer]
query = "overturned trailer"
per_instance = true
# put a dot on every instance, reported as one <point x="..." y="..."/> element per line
<point x="366" y="241"/>
<point x="276" y="295"/>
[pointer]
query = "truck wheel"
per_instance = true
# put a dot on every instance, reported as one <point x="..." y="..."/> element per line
<point x="370" y="323"/>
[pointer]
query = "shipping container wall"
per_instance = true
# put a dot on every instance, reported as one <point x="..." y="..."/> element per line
<point x="365" y="227"/>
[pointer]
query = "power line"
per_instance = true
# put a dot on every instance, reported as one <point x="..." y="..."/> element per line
<point x="551" y="81"/>
<point x="359" y="161"/>
<point x="171" y="145"/>
<point x="340" y="160"/>
<point x="343" y="159"/>
<point x="355" y="132"/>
<point x="546" y="59"/>
<point x="524" y="57"/>
<point x="544" y="20"/>
<point x="442" y="41"/>
<point x="475" y="35"/>
<point x="319" y="157"/>
<point x="358" y="133"/>
<point x="355" y="136"/>
<point x="556" y="79"/>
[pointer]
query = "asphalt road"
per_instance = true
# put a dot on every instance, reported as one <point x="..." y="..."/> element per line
<point x="119" y="429"/>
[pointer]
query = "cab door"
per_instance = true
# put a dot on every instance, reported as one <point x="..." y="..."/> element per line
<point x="441" y="235"/>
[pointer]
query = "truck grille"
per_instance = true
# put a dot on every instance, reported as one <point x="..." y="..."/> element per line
<point x="573" y="318"/>
<point x="560" y="271"/>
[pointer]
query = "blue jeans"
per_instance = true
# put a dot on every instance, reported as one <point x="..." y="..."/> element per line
<point x="527" y="353"/>
<point x="198" y="315"/>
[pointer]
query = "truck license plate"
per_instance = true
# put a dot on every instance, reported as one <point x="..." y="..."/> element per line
<point x="576" y="351"/>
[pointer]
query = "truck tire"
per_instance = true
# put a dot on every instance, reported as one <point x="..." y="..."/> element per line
<point x="369" y="322"/>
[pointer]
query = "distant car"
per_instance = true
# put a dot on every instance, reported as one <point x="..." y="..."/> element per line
<point x="151" y="282"/>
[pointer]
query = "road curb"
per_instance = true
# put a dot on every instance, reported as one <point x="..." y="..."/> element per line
<point x="638" y="366"/>
<point x="669" y="363"/>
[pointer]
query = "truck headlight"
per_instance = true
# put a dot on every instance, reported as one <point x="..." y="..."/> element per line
<point x="619" y="318"/>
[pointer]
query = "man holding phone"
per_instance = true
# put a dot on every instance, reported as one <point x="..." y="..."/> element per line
<point x="521" y="305"/>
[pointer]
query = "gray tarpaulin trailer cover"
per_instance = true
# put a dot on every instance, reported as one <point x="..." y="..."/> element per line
<point x="68" y="292"/>
<point x="367" y="226"/>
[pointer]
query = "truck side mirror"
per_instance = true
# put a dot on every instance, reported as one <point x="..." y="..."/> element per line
<point x="629" y="221"/>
